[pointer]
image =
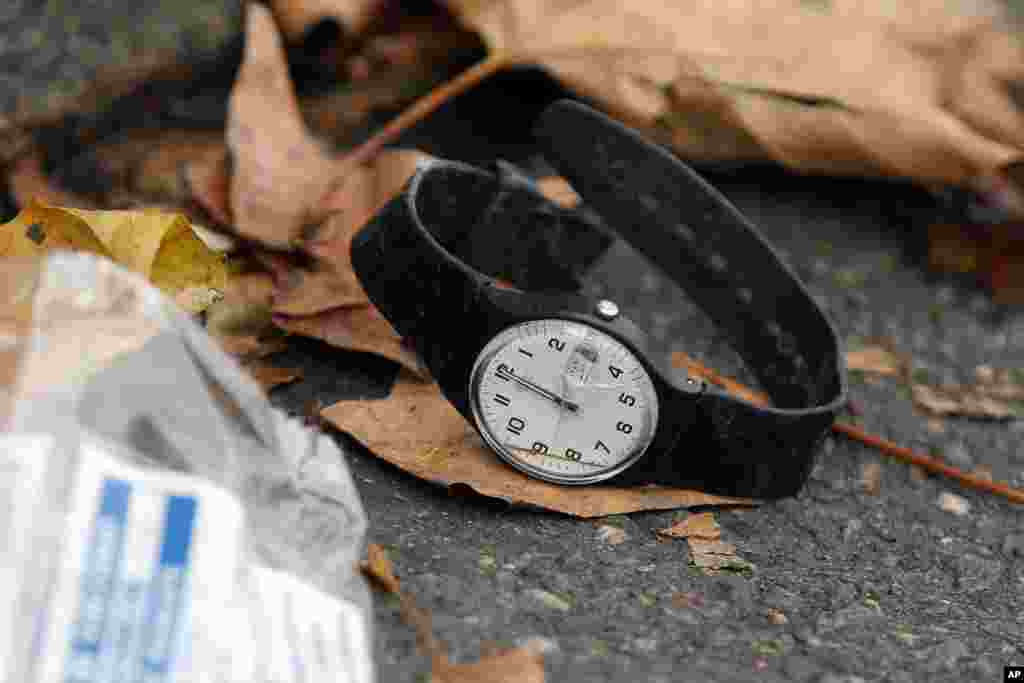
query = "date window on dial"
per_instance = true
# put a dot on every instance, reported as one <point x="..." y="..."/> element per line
<point x="581" y="362"/>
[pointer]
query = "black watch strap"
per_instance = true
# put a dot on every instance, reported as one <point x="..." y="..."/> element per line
<point x="699" y="239"/>
<point x="451" y="215"/>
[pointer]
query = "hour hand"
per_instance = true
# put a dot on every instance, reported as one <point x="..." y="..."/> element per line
<point x="505" y="373"/>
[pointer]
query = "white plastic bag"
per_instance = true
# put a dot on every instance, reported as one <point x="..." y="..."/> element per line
<point x="159" y="520"/>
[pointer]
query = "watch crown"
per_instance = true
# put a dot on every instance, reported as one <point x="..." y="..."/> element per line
<point x="606" y="309"/>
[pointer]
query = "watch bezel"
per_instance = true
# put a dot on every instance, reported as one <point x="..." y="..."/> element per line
<point x="487" y="353"/>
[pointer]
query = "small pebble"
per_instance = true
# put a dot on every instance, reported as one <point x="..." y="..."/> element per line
<point x="777" y="616"/>
<point x="950" y="502"/>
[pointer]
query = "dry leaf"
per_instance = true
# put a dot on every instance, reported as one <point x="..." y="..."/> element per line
<point x="517" y="665"/>
<point x="333" y="283"/>
<point x="874" y="359"/>
<point x="612" y="535"/>
<point x="843" y="87"/>
<point x="158" y="245"/>
<point x="209" y="180"/>
<point x="279" y="171"/>
<point x="278" y="197"/>
<point x="416" y="429"/>
<point x="714" y="556"/>
<point x="962" y="401"/>
<point x="702" y="525"/>
<point x="269" y="376"/>
<point x="871" y="478"/>
<point x="377" y="567"/>
<point x="358" y="328"/>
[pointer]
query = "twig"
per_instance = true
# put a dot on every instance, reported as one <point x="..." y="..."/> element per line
<point x="887" y="447"/>
<point x="424" y="106"/>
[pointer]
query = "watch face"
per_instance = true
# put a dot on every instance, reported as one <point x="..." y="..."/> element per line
<point x="563" y="401"/>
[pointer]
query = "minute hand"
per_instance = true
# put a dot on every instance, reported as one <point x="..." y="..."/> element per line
<point x="536" y="388"/>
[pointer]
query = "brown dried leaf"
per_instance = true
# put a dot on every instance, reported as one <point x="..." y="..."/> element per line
<point x="713" y="556"/>
<point x="612" y="535"/>
<point x="962" y="401"/>
<point x="209" y="181"/>
<point x="517" y="665"/>
<point x="269" y="376"/>
<point x="332" y="282"/>
<point x="871" y="478"/>
<point x="702" y="525"/>
<point x="709" y="78"/>
<point x="874" y="359"/>
<point x="247" y="347"/>
<point x="279" y="170"/>
<point x="358" y="328"/>
<point x="416" y="429"/>
<point x="378" y="568"/>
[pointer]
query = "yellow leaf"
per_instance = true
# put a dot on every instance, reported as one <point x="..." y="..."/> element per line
<point x="158" y="245"/>
<point x="38" y="229"/>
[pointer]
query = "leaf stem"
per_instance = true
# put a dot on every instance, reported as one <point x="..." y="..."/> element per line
<point x="426" y="105"/>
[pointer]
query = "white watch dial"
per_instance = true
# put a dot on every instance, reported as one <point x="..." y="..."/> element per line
<point x="563" y="401"/>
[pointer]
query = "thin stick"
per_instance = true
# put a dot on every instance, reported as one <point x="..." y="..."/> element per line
<point x="887" y="447"/>
<point x="424" y="106"/>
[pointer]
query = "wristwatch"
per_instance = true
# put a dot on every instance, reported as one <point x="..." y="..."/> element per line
<point x="480" y="274"/>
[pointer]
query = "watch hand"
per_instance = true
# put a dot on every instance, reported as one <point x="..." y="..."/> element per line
<point x="537" y="389"/>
